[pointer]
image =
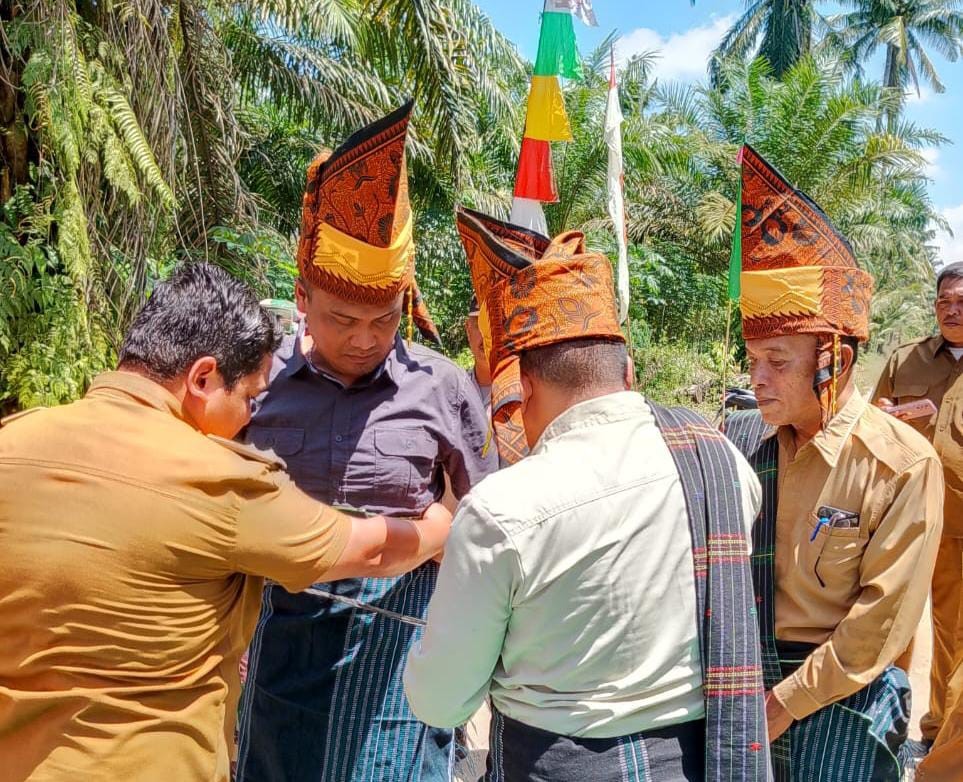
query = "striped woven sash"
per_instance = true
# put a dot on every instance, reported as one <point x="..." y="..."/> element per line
<point x="736" y="747"/>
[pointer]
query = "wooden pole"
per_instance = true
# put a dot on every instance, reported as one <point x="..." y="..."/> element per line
<point x="725" y="359"/>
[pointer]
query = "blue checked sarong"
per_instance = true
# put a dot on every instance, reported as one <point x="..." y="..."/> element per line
<point x="855" y="739"/>
<point x="324" y="700"/>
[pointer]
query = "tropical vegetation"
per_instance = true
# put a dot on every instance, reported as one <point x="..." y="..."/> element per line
<point x="136" y="134"/>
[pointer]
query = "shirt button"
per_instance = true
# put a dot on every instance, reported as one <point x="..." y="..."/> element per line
<point x="338" y="439"/>
<point x="408" y="444"/>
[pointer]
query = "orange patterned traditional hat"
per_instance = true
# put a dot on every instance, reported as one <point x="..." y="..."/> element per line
<point x="497" y="250"/>
<point x="532" y="292"/>
<point x="799" y="275"/>
<point x="356" y="225"/>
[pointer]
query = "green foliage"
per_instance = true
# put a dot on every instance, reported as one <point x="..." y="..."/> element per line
<point x="50" y="344"/>
<point x="250" y="252"/>
<point x="779" y="31"/>
<point x="160" y="132"/>
<point x="905" y="29"/>
<point x="443" y="276"/>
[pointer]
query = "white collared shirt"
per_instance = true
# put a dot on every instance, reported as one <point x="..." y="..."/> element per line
<point x="567" y="589"/>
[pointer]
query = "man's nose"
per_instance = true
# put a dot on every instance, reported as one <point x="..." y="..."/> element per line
<point x="364" y="339"/>
<point x="758" y="377"/>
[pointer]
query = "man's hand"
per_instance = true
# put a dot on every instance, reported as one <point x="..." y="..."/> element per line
<point x="887" y="405"/>
<point x="777" y="718"/>
<point x="439" y="517"/>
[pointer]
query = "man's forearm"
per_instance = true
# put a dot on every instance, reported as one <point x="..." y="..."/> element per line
<point x="381" y="547"/>
<point x="410" y="542"/>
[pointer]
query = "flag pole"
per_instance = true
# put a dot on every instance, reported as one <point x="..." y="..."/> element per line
<point x="622" y="240"/>
<point x="734" y="287"/>
<point x="725" y="360"/>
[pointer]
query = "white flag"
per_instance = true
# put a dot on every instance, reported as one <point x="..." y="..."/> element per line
<point x="580" y="8"/>
<point x="613" y="140"/>
<point x="528" y="213"/>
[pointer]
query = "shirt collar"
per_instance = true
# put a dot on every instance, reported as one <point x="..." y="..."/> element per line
<point x="939" y="345"/>
<point x="830" y="441"/>
<point x="143" y="389"/>
<point x="295" y="361"/>
<point x="592" y="412"/>
<point x="936" y="345"/>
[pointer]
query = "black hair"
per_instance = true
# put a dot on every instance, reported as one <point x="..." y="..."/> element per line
<point x="201" y="310"/>
<point x="579" y="364"/>
<point x="853" y="343"/>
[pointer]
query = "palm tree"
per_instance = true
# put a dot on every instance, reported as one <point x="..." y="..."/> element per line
<point x="906" y="28"/>
<point x="786" y="28"/>
<point x="819" y="129"/>
<point x="149" y="131"/>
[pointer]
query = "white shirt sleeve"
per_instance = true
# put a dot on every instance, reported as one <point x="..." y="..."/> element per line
<point x="449" y="670"/>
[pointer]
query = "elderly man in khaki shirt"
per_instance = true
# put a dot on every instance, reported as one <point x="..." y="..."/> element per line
<point x="134" y="546"/>
<point x="852" y="498"/>
<point x="928" y="371"/>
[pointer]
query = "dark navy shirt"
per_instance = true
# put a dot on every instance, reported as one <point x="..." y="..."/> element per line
<point x="382" y="444"/>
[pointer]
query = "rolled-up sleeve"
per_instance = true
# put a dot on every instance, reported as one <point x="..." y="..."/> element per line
<point x="284" y="535"/>
<point x="895" y="575"/>
<point x="449" y="670"/>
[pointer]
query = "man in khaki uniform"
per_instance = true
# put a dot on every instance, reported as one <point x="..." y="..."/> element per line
<point x="930" y="369"/>
<point x="852" y="498"/>
<point x="133" y="549"/>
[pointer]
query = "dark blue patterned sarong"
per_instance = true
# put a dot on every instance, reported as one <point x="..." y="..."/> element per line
<point x="857" y="738"/>
<point x="346" y="717"/>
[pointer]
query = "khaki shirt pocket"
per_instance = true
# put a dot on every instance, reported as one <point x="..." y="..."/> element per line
<point x="912" y="391"/>
<point x="834" y="556"/>
<point x="909" y="391"/>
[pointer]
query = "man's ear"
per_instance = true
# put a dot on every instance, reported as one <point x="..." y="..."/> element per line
<point x="527" y="388"/>
<point x="202" y="378"/>
<point x="845" y="358"/>
<point x="629" y="379"/>
<point x="301" y="295"/>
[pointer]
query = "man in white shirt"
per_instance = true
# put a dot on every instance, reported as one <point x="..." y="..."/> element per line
<point x="571" y="590"/>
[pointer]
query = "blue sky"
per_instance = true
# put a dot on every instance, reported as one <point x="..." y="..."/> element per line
<point x="685" y="34"/>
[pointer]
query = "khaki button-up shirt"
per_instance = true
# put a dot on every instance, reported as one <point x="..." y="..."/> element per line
<point x="132" y="550"/>
<point x="857" y="589"/>
<point x="925" y="369"/>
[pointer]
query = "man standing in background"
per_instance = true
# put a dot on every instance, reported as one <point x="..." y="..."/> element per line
<point x="371" y="423"/>
<point x="929" y="370"/>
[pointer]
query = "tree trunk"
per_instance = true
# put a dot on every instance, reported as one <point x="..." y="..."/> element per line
<point x="892" y="80"/>
<point x="14" y="145"/>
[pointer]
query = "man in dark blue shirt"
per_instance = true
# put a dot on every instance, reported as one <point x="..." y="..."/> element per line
<point x="371" y="423"/>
